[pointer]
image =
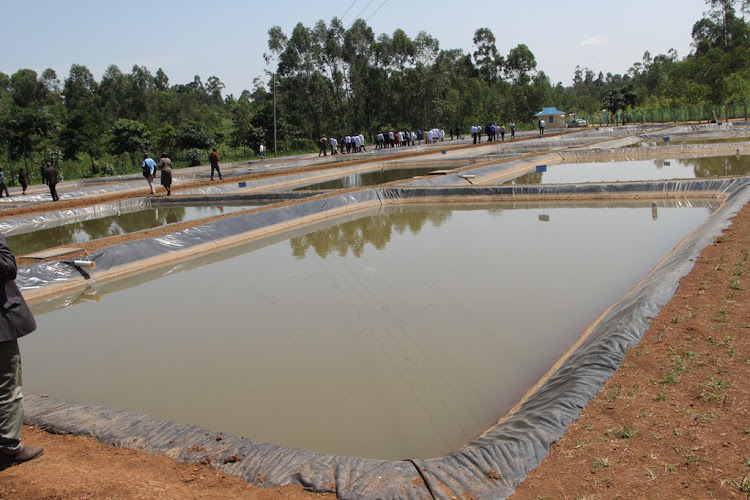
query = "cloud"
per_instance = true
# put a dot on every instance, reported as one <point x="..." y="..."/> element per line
<point x="594" y="41"/>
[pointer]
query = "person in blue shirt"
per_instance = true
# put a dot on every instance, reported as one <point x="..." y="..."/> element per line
<point x="149" y="170"/>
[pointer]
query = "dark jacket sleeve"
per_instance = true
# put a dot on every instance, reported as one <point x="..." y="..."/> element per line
<point x="7" y="261"/>
<point x="16" y="319"/>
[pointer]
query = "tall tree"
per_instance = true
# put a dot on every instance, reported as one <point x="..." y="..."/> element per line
<point x="486" y="57"/>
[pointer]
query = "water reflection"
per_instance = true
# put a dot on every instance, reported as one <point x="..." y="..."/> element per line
<point x="370" y="178"/>
<point x="113" y="225"/>
<point x="639" y="170"/>
<point x="375" y="230"/>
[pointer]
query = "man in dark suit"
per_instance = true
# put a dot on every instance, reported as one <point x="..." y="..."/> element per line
<point x="16" y="321"/>
<point x="52" y="181"/>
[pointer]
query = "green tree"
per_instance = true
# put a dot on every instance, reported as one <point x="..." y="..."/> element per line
<point x="128" y="136"/>
<point x="194" y="136"/>
<point x="486" y="56"/>
<point x="81" y="131"/>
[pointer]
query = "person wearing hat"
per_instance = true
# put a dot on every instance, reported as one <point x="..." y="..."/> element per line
<point x="149" y="170"/>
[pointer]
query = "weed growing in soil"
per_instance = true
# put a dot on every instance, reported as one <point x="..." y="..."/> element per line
<point x="623" y="432"/>
<point x="743" y="484"/>
<point x="721" y="314"/>
<point x="600" y="463"/>
<point x="713" y="389"/>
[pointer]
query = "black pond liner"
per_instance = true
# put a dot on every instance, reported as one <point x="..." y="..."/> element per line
<point x="488" y="467"/>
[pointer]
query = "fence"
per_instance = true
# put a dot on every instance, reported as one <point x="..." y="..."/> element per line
<point x="702" y="113"/>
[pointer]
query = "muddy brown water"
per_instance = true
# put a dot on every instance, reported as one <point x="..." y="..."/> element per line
<point x="371" y="178"/>
<point x="111" y="225"/>
<point x="402" y="332"/>
<point x="639" y="170"/>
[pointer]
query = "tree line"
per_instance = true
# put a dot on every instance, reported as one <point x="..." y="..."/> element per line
<point x="330" y="80"/>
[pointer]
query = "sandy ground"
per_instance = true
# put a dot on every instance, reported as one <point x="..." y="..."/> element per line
<point x="673" y="422"/>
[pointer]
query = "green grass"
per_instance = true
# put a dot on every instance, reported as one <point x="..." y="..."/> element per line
<point x="600" y="463"/>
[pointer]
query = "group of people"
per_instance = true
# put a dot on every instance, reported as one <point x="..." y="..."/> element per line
<point x="408" y="138"/>
<point x="349" y="144"/>
<point x="391" y="139"/>
<point x="149" y="167"/>
<point x="492" y="131"/>
<point x="49" y="177"/>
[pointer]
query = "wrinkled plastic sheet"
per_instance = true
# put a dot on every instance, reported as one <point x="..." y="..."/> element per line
<point x="35" y="222"/>
<point x="489" y="467"/>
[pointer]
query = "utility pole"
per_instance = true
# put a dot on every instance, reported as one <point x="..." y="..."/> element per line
<point x="275" y="153"/>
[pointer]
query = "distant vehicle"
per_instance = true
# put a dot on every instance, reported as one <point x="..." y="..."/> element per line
<point x="578" y="122"/>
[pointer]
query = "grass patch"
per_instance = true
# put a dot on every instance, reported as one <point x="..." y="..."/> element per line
<point x="713" y="389"/>
<point x="721" y="314"/>
<point x="615" y="393"/>
<point x="622" y="432"/>
<point x="600" y="463"/>
<point x="743" y="484"/>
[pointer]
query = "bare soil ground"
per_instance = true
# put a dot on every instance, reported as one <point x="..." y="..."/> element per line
<point x="673" y="421"/>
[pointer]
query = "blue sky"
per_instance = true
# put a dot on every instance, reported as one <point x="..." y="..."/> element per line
<point x="227" y="38"/>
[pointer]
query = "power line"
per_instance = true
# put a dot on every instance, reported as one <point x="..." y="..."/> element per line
<point x="350" y="8"/>
<point x="376" y="10"/>
<point x="360" y="13"/>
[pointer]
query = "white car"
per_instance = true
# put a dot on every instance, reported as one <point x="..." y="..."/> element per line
<point x="578" y="122"/>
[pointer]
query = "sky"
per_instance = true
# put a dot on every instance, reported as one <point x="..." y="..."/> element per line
<point x="227" y="38"/>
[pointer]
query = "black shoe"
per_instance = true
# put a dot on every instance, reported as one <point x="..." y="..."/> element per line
<point x="25" y="454"/>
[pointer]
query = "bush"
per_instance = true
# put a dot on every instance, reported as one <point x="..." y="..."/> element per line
<point x="194" y="157"/>
<point x="106" y="170"/>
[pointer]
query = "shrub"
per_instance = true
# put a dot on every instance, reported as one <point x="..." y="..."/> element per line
<point x="194" y="157"/>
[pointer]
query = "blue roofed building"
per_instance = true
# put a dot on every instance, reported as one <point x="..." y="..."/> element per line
<point x="553" y="117"/>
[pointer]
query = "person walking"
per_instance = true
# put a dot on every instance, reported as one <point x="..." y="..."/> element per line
<point x="149" y="170"/>
<point x="52" y="179"/>
<point x="334" y="145"/>
<point x="322" y="143"/>
<point x="262" y="152"/>
<point x="541" y="127"/>
<point x="3" y="185"/>
<point x="512" y="130"/>
<point x="165" y="165"/>
<point x="502" y="132"/>
<point x="23" y="179"/>
<point x="43" y="172"/>
<point x="16" y="321"/>
<point x="214" y="159"/>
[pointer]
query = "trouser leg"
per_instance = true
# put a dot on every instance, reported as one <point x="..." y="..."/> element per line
<point x="11" y="397"/>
